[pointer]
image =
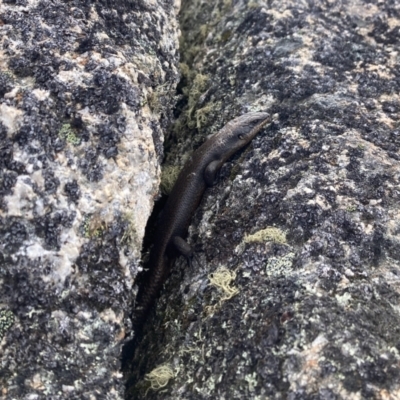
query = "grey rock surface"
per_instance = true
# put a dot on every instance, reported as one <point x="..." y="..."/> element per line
<point x="298" y="291"/>
<point x="86" y="92"/>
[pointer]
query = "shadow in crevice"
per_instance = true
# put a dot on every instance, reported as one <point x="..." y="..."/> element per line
<point x="134" y="365"/>
<point x="148" y="239"/>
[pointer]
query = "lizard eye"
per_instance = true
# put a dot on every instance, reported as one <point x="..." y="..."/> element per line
<point x="240" y="136"/>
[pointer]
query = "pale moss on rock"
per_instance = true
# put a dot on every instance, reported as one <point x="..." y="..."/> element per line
<point x="153" y="98"/>
<point x="8" y="74"/>
<point x="199" y="86"/>
<point x="169" y="175"/>
<point x="269" y="234"/>
<point x="6" y="321"/>
<point x="202" y="113"/>
<point x="195" y="90"/>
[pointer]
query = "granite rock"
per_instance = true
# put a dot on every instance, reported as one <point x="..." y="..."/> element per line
<point x="87" y="90"/>
<point x="297" y="295"/>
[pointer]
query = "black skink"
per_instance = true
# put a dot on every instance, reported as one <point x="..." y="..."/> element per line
<point x="198" y="173"/>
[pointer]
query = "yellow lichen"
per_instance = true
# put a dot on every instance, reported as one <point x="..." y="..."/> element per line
<point x="253" y="4"/>
<point x="269" y="234"/>
<point x="159" y="377"/>
<point x="204" y="31"/>
<point x="197" y="88"/>
<point x="202" y="114"/>
<point x="222" y="279"/>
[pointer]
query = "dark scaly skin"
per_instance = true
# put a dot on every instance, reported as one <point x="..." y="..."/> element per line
<point x="198" y="173"/>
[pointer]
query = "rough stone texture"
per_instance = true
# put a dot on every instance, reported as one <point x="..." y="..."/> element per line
<point x="86" y="91"/>
<point x="318" y="317"/>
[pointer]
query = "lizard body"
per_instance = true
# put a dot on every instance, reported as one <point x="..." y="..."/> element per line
<point x="198" y="172"/>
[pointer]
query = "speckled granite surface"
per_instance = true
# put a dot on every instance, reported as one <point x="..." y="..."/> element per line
<point x="86" y="91"/>
<point x="317" y="317"/>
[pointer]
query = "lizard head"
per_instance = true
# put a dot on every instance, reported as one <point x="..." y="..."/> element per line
<point x="238" y="132"/>
<point x="244" y="128"/>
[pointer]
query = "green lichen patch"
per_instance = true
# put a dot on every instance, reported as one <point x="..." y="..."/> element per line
<point x="154" y="99"/>
<point x="6" y="321"/>
<point x="269" y="234"/>
<point x="130" y="236"/>
<point x="7" y="75"/>
<point x="93" y="226"/>
<point x="67" y="133"/>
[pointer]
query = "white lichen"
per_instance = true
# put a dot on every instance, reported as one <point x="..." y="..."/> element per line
<point x="280" y="265"/>
<point x="6" y="321"/>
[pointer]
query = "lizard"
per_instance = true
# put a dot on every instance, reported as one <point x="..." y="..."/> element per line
<point x="198" y="173"/>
